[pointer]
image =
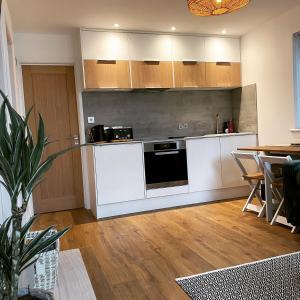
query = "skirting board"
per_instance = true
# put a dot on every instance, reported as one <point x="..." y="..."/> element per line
<point x="136" y="206"/>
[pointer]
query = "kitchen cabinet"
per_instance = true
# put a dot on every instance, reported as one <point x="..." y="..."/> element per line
<point x="151" y="60"/>
<point x="189" y="74"/>
<point x="106" y="74"/>
<point x="222" y="49"/>
<point x="119" y="173"/>
<point x="222" y="74"/>
<point x="150" y="47"/>
<point x="188" y="48"/>
<point x="104" y="45"/>
<point x="231" y="175"/>
<point x="152" y="74"/>
<point x="204" y="165"/>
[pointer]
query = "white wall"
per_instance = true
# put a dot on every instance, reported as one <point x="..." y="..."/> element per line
<point x="45" y="48"/>
<point x="56" y="49"/>
<point x="9" y="84"/>
<point x="267" y="60"/>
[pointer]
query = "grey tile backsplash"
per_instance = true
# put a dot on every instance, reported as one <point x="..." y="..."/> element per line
<point x="158" y="114"/>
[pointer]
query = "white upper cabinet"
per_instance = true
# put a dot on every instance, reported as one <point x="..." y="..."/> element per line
<point x="110" y="45"/>
<point x="104" y="45"/>
<point x="150" y="47"/>
<point x="188" y="48"/>
<point x="218" y="49"/>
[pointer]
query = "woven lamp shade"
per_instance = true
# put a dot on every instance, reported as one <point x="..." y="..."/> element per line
<point x="206" y="8"/>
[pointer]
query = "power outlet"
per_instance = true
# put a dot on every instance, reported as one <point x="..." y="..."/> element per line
<point x="91" y="120"/>
<point x="182" y="126"/>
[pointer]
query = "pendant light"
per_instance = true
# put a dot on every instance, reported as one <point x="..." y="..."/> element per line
<point x="206" y="8"/>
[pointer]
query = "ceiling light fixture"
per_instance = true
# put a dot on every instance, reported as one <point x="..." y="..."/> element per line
<point x="116" y="25"/>
<point x="173" y="28"/>
<point x="206" y="8"/>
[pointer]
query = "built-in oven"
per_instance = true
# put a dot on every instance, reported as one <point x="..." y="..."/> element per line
<point x="165" y="164"/>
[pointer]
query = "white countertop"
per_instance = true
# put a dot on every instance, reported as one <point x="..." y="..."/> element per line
<point x="221" y="135"/>
<point x="185" y="138"/>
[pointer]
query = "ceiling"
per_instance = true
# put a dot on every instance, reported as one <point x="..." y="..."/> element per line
<point x="148" y="15"/>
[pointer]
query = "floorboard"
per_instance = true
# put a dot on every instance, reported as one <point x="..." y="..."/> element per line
<point x="139" y="256"/>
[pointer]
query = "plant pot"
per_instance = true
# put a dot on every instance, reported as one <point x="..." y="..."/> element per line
<point x="45" y="268"/>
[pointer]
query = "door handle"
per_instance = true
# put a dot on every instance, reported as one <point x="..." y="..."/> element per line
<point x="75" y="138"/>
<point x="167" y="153"/>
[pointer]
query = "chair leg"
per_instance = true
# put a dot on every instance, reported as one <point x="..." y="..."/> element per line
<point x="263" y="210"/>
<point x="277" y="212"/>
<point x="295" y="229"/>
<point x="250" y="198"/>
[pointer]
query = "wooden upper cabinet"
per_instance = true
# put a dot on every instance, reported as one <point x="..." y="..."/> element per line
<point x="152" y="74"/>
<point x="107" y="74"/>
<point x="189" y="74"/>
<point x="158" y="60"/>
<point x="223" y="75"/>
<point x="151" y="60"/>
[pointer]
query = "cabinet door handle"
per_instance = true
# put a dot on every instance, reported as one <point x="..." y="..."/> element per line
<point x="152" y="62"/>
<point x="106" y="62"/>
<point x="189" y="63"/>
<point x="223" y="63"/>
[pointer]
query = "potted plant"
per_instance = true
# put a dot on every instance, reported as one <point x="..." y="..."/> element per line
<point x="21" y="169"/>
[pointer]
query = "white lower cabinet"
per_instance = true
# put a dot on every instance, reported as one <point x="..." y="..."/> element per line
<point x="231" y="175"/>
<point x="119" y="173"/>
<point x="211" y="165"/>
<point x="204" y="165"/>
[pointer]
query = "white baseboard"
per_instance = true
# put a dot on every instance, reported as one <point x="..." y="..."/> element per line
<point x="136" y="206"/>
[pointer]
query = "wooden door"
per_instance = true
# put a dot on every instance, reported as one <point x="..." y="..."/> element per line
<point x="152" y="74"/>
<point x="107" y="74"/>
<point x="189" y="74"/>
<point x="50" y="90"/>
<point x="223" y="74"/>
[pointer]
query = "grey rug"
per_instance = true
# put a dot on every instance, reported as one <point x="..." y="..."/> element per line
<point x="276" y="278"/>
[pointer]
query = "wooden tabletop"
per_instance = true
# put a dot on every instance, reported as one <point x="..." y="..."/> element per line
<point x="73" y="281"/>
<point x="274" y="149"/>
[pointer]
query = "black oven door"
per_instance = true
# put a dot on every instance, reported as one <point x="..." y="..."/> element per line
<point x="166" y="167"/>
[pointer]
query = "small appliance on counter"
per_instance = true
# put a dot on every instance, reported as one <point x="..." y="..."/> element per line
<point x="100" y="133"/>
<point x="96" y="134"/>
<point x="119" y="134"/>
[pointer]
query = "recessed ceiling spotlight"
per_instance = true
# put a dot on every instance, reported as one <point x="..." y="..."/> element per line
<point x="116" y="25"/>
<point x="173" y="28"/>
<point x="224" y="31"/>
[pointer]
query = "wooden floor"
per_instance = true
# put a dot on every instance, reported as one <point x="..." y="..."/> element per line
<point x="139" y="257"/>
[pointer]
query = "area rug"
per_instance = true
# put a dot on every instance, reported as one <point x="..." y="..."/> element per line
<point x="276" y="278"/>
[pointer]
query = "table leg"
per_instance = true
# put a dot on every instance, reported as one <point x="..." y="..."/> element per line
<point x="269" y="197"/>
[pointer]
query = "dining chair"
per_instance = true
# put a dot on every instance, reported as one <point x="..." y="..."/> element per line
<point x="276" y="184"/>
<point x="254" y="180"/>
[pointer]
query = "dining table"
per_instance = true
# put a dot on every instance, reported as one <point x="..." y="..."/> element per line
<point x="282" y="150"/>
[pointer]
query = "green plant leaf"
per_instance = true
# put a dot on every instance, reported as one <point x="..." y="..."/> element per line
<point x="40" y="245"/>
